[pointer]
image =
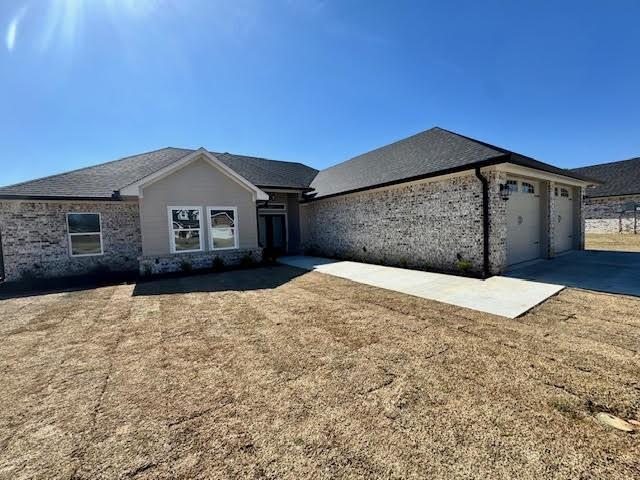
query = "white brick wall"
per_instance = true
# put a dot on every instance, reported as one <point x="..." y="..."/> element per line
<point x="602" y="215"/>
<point x="35" y="242"/>
<point x="427" y="225"/>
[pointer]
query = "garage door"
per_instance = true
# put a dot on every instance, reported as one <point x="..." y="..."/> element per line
<point x="524" y="221"/>
<point x="563" y="235"/>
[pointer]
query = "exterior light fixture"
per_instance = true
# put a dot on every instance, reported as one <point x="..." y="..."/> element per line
<point x="505" y="191"/>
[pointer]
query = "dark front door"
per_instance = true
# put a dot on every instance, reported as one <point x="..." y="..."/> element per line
<point x="273" y="233"/>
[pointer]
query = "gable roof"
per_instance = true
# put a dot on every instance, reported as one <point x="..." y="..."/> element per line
<point x="136" y="188"/>
<point x="100" y="181"/>
<point x="619" y="178"/>
<point x="430" y="153"/>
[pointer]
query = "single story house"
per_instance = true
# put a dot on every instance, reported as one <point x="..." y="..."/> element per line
<point x="435" y="200"/>
<point x="613" y="206"/>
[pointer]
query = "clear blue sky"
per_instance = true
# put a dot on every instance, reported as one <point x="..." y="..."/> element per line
<point x="87" y="81"/>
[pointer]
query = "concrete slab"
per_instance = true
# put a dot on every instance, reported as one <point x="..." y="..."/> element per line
<point x="604" y="271"/>
<point x="507" y="297"/>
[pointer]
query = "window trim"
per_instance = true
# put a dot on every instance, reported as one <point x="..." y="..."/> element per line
<point x="564" y="191"/>
<point x="172" y="231"/>
<point x="236" y="234"/>
<point x="269" y="207"/>
<point x="69" y="235"/>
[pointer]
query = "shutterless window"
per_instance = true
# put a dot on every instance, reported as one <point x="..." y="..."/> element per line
<point x="222" y="227"/>
<point x="85" y="234"/>
<point x="512" y="185"/>
<point x="528" y="188"/>
<point x="186" y="229"/>
<point x="564" y="192"/>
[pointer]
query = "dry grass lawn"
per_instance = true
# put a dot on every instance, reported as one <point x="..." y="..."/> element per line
<point x="613" y="241"/>
<point x="272" y="373"/>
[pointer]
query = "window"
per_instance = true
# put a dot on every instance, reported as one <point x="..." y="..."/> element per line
<point x="512" y="185"/>
<point x="222" y="228"/>
<point x="528" y="188"/>
<point x="564" y="192"/>
<point x="85" y="234"/>
<point x="185" y="229"/>
<point x="556" y="191"/>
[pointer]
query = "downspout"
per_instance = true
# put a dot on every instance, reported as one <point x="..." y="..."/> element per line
<point x="485" y="222"/>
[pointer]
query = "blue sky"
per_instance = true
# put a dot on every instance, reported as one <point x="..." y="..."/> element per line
<point x="87" y="81"/>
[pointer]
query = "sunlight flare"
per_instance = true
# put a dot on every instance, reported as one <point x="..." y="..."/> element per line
<point x="12" y="29"/>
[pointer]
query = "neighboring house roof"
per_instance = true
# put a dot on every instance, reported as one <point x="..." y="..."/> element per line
<point x="100" y="181"/>
<point x="429" y="153"/>
<point x="619" y="178"/>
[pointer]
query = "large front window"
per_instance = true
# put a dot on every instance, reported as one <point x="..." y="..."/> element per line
<point x="186" y="229"/>
<point x="85" y="234"/>
<point x="222" y="227"/>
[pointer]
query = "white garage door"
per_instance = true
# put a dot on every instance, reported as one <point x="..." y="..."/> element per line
<point x="524" y="221"/>
<point x="564" y="218"/>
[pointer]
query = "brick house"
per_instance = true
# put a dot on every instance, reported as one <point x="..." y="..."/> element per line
<point x="434" y="200"/>
<point x="613" y="206"/>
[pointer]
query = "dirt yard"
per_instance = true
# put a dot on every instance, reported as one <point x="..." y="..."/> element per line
<point x="272" y="373"/>
<point x="613" y="241"/>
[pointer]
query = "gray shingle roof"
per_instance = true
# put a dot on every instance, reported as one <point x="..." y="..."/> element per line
<point x="429" y="153"/>
<point x="100" y="181"/>
<point x="619" y="178"/>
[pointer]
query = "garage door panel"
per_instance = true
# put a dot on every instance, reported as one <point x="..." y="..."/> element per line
<point x="524" y="221"/>
<point x="563" y="234"/>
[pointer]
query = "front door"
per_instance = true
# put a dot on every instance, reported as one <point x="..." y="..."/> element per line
<point x="272" y="231"/>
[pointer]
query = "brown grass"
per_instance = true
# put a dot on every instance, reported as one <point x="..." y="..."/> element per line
<point x="626" y="242"/>
<point x="312" y="377"/>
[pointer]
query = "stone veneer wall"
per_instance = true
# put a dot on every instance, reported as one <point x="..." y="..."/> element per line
<point x="153" y="265"/>
<point x="35" y="241"/>
<point x="580" y="205"/>
<point x="425" y="225"/>
<point x="602" y="215"/>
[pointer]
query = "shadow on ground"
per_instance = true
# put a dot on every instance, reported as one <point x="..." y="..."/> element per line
<point x="238" y="280"/>
<point x="602" y="271"/>
<point x="43" y="286"/>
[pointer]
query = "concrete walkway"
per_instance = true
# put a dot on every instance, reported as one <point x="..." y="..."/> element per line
<point x="508" y="297"/>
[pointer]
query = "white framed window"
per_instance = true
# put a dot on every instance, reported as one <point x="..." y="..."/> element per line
<point x="512" y="185"/>
<point x="528" y="188"/>
<point x="85" y="234"/>
<point x="564" y="192"/>
<point x="185" y="229"/>
<point x="223" y="231"/>
<point x="556" y="191"/>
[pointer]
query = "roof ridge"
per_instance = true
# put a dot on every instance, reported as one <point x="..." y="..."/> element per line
<point x="488" y="145"/>
<point x="261" y="168"/>
<point x="263" y="158"/>
<point x="480" y="142"/>
<point x="607" y="163"/>
<point x="26" y="182"/>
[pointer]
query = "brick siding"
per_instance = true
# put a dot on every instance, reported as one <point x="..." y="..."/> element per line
<point x="35" y="240"/>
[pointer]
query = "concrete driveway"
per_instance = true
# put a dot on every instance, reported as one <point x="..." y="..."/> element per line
<point x="603" y="271"/>
<point x="507" y="297"/>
